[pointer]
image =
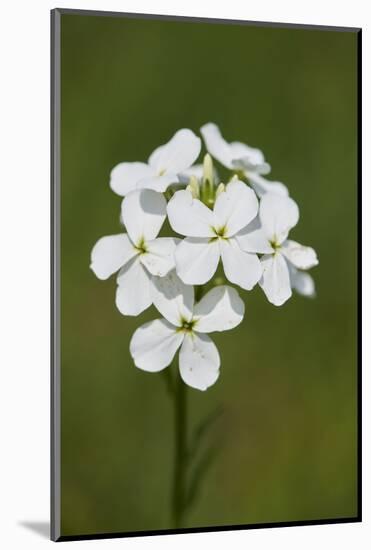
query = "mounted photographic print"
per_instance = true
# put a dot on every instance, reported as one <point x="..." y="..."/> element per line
<point x="205" y="213"/>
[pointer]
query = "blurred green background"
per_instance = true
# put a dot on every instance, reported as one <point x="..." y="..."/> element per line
<point x="289" y="377"/>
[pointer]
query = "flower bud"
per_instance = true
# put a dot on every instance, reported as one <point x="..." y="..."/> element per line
<point x="218" y="281"/>
<point x="208" y="176"/>
<point x="207" y="188"/>
<point x="193" y="187"/>
<point x="220" y="189"/>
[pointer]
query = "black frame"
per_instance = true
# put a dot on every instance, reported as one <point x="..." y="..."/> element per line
<point x="55" y="530"/>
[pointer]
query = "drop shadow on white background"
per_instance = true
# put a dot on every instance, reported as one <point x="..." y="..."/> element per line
<point x="41" y="528"/>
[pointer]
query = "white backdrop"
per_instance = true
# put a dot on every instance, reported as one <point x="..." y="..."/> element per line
<point x="24" y="271"/>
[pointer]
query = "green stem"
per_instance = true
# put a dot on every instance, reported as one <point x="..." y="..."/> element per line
<point x="179" y="486"/>
<point x="178" y="389"/>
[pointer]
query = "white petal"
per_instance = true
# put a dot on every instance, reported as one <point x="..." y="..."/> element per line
<point x="278" y="215"/>
<point x="125" y="176"/>
<point x="302" y="257"/>
<point x="302" y="282"/>
<point x="110" y="253"/>
<point x="264" y="169"/>
<point x="220" y="309"/>
<point x="173" y="299"/>
<point x="133" y="294"/>
<point x="189" y="216"/>
<point x="262" y="186"/>
<point x="159" y="258"/>
<point x="253" y="239"/>
<point x="199" y="361"/>
<point x="248" y="159"/>
<point x="250" y="168"/>
<point x="234" y="155"/>
<point x="196" y="260"/>
<point x="235" y="207"/>
<point x="275" y="280"/>
<point x="240" y="268"/>
<point x="158" y="183"/>
<point x="177" y="154"/>
<point x="246" y="153"/>
<point x="143" y="213"/>
<point x="216" y="144"/>
<point x="154" y="345"/>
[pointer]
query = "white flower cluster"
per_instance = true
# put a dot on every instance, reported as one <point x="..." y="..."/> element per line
<point x="244" y="224"/>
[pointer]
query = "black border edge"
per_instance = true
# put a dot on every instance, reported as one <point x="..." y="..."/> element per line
<point x="213" y="529"/>
<point x="55" y="386"/>
<point x="55" y="105"/>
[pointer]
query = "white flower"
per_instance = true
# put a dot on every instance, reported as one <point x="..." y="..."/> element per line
<point x="241" y="158"/>
<point x="282" y="257"/>
<point x="164" y="165"/>
<point x="185" y="326"/>
<point x="138" y="253"/>
<point x="213" y="234"/>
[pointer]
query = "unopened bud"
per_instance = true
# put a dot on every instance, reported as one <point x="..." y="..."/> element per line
<point x="193" y="187"/>
<point x="208" y="175"/>
<point x="220" y="189"/>
<point x="218" y="281"/>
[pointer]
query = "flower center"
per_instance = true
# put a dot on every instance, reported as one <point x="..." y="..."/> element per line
<point x="187" y="326"/>
<point x="274" y="244"/>
<point x="141" y="246"/>
<point x="220" y="233"/>
<point x="162" y="172"/>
